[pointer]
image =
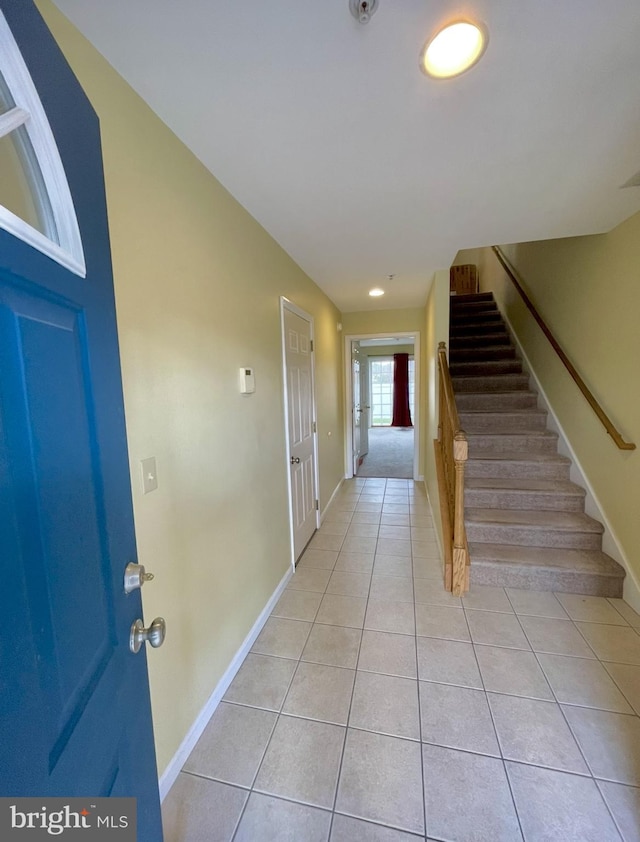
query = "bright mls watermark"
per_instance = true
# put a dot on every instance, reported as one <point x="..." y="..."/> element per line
<point x="85" y="819"/>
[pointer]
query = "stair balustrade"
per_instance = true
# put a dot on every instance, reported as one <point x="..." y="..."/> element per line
<point x="451" y="450"/>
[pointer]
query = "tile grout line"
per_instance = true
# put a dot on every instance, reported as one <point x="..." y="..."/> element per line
<point x="279" y="713"/>
<point x="493" y="722"/>
<point x="346" y="727"/>
<point x="555" y="698"/>
<point x="415" y="640"/>
<point x="275" y="724"/>
<point x="564" y="716"/>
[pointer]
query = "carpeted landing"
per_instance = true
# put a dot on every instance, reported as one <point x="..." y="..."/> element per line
<point x="390" y="453"/>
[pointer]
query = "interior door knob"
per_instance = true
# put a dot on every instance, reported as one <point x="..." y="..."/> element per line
<point x="295" y="460"/>
<point x="154" y="635"/>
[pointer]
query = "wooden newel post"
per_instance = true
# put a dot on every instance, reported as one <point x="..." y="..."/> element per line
<point x="460" y="454"/>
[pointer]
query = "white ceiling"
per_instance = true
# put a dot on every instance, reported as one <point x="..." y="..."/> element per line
<point x="360" y="166"/>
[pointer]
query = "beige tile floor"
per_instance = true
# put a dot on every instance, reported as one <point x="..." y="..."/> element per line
<point x="375" y="707"/>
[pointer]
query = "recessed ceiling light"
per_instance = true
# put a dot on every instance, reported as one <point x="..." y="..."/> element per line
<point x="375" y="292"/>
<point x="453" y="49"/>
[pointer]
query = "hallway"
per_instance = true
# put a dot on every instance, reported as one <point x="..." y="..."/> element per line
<point x="504" y="715"/>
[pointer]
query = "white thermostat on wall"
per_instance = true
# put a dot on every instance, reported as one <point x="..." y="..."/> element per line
<point x="247" y="381"/>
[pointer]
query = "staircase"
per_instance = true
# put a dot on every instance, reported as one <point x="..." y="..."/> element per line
<point x="524" y="518"/>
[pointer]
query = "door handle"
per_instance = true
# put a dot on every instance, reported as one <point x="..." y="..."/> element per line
<point x="295" y="460"/>
<point x="154" y="635"/>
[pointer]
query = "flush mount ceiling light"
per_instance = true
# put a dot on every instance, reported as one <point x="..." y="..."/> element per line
<point x="363" y="9"/>
<point x="375" y="292"/>
<point x="454" y="49"/>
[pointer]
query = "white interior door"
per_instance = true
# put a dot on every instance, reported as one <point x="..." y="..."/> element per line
<point x="356" y="409"/>
<point x="365" y="407"/>
<point x="300" y="411"/>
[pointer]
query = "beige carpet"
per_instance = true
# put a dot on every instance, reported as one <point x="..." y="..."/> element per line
<point x="390" y="453"/>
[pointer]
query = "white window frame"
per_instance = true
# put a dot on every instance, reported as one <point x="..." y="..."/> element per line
<point x="372" y="362"/>
<point x="68" y="251"/>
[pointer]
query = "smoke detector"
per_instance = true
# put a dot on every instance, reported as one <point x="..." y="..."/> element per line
<point x="362" y="10"/>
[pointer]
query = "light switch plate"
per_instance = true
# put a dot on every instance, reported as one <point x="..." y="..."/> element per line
<point x="149" y="474"/>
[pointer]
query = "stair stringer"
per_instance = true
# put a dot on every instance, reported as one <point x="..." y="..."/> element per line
<point x="592" y="507"/>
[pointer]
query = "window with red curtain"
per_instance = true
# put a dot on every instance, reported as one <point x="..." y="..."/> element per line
<point x="401" y="410"/>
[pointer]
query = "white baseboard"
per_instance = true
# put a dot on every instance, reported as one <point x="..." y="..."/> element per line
<point x="610" y="543"/>
<point x="168" y="777"/>
<point x="331" y="499"/>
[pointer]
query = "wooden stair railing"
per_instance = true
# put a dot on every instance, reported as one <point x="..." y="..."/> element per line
<point x="593" y="403"/>
<point x="451" y="450"/>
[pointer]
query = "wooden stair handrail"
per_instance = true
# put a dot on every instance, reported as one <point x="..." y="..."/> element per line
<point x="593" y="403"/>
<point x="452" y="450"/>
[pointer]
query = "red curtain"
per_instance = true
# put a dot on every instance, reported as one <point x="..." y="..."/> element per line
<point x="401" y="411"/>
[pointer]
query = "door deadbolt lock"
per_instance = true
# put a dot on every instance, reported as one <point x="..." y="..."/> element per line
<point x="154" y="635"/>
<point x="295" y="460"/>
<point x="135" y="577"/>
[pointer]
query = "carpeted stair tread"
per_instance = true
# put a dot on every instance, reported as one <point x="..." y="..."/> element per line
<point x="475" y="340"/>
<point x="485" y="367"/>
<point x="531" y="486"/>
<point x="497" y="401"/>
<point x="489" y="352"/>
<point x="524" y="518"/>
<point x="565" y="521"/>
<point x="567" y="530"/>
<point x="527" y="419"/>
<point x="536" y="466"/>
<point x="490" y="382"/>
<point x="485" y="316"/>
<point x="591" y="561"/>
<point x="541" y="568"/>
<point x="471" y="297"/>
<point x="522" y="460"/>
<point x="531" y="494"/>
<point x="531" y="441"/>
<point x="475" y="328"/>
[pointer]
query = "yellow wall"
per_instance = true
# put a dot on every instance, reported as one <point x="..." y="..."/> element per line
<point x="436" y="331"/>
<point x="588" y="291"/>
<point x="410" y="320"/>
<point x="197" y="285"/>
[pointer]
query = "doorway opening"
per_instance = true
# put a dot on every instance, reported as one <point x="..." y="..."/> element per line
<point x="382" y="403"/>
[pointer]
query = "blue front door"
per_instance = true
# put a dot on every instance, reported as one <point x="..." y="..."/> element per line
<point x="75" y="716"/>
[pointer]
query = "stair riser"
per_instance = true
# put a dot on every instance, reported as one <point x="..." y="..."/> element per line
<point x="458" y="319"/>
<point x="502" y="422"/>
<point x="521" y="501"/>
<point x="523" y="536"/>
<point x="487" y="368"/>
<point x="505" y="469"/>
<point x="500" y="575"/>
<point x="495" y="402"/>
<point x="510" y="443"/>
<point x="471" y="298"/>
<point x="477" y="312"/>
<point x="495" y="383"/>
<point x="477" y="342"/>
<point x="471" y="355"/>
<point x="475" y="329"/>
